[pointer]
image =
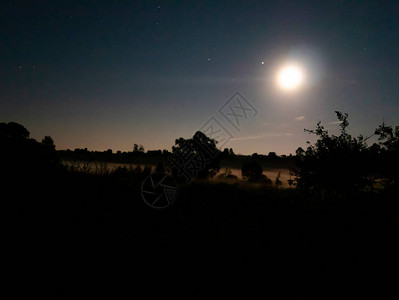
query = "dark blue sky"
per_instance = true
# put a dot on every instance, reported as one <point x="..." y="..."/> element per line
<point x="107" y="74"/>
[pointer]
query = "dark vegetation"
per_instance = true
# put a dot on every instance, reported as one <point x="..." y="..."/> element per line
<point x="198" y="156"/>
<point x="342" y="165"/>
<point x="226" y="158"/>
<point x="341" y="220"/>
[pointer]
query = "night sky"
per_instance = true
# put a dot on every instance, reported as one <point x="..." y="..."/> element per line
<point x="108" y="74"/>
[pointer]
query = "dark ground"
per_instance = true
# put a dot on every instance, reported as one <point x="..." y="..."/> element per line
<point x="83" y="236"/>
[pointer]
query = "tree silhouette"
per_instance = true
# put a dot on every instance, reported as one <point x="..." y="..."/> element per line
<point x="21" y="155"/>
<point x="388" y="153"/>
<point x="48" y="141"/>
<point x="299" y="152"/>
<point x="138" y="148"/>
<point x="334" y="162"/>
<point x="13" y="130"/>
<point x="388" y="137"/>
<point x="252" y="170"/>
<point x="272" y="155"/>
<point x="197" y="157"/>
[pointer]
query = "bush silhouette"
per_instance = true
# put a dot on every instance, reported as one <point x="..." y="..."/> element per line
<point x="278" y="182"/>
<point x="386" y="154"/>
<point x="252" y="170"/>
<point x="227" y="174"/>
<point x="335" y="163"/>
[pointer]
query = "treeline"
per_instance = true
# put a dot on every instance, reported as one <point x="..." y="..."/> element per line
<point x="335" y="164"/>
<point x="21" y="155"/>
<point x="116" y="157"/>
<point x="149" y="156"/>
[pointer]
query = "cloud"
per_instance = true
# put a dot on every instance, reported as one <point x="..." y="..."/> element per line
<point x="299" y="118"/>
<point x="333" y="123"/>
<point x="262" y="136"/>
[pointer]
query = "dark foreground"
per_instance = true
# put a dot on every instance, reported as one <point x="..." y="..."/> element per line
<point x="81" y="236"/>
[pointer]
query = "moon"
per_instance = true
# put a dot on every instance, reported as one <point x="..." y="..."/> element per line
<point x="290" y="77"/>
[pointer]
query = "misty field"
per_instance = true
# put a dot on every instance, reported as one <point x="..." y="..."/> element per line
<point x="110" y="167"/>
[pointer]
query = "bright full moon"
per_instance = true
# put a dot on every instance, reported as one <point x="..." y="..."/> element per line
<point x="290" y="77"/>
